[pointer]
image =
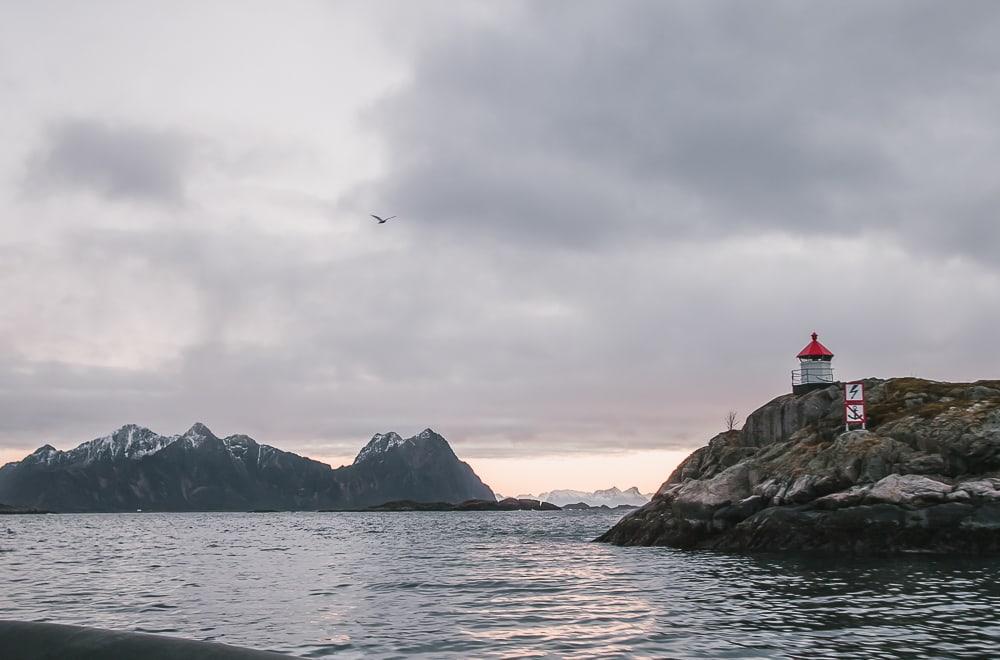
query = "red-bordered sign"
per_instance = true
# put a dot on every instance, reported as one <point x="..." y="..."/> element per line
<point x="854" y="405"/>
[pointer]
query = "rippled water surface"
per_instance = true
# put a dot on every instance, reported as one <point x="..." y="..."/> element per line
<point x="479" y="584"/>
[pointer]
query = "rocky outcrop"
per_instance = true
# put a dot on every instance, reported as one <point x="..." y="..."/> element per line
<point x="135" y="468"/>
<point x="924" y="477"/>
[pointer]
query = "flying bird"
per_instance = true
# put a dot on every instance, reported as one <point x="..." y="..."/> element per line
<point x="380" y="219"/>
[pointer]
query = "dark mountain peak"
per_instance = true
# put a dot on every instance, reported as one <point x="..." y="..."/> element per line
<point x="243" y="446"/>
<point x="131" y="435"/>
<point x="239" y="440"/>
<point x="44" y="454"/>
<point x="198" y="428"/>
<point x="198" y="434"/>
<point x="427" y="441"/>
<point x="431" y="438"/>
<point x="433" y="443"/>
<point x="420" y="468"/>
<point x="379" y="445"/>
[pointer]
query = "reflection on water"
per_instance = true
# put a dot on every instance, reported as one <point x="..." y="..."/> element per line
<point x="480" y="584"/>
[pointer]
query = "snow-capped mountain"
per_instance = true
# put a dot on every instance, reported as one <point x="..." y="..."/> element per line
<point x="133" y="442"/>
<point x="611" y="497"/>
<point x="128" y="442"/>
<point x="196" y="470"/>
<point x="380" y="444"/>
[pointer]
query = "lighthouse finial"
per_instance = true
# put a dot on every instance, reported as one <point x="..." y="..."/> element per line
<point x="815" y="336"/>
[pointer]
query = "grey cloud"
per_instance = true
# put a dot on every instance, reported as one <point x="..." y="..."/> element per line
<point x="116" y="161"/>
<point x="588" y="123"/>
<point x="513" y="354"/>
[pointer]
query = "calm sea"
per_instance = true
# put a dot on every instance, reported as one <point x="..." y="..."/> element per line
<point x="480" y="585"/>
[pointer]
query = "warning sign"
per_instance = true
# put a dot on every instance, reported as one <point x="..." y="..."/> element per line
<point x="854" y="405"/>
<point x="855" y="413"/>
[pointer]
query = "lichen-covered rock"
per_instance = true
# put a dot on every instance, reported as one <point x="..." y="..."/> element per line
<point x="924" y="477"/>
<point x="910" y="489"/>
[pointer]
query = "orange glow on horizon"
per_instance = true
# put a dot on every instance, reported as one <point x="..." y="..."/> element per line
<point x="515" y="476"/>
<point x="8" y="455"/>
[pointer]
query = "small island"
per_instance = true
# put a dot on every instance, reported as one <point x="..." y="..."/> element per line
<point x="10" y="511"/>
<point x="506" y="504"/>
<point x="923" y="477"/>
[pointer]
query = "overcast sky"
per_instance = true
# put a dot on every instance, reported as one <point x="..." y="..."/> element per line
<point x="617" y="220"/>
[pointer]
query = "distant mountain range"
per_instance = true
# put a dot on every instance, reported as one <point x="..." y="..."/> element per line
<point x="135" y="468"/>
<point x="610" y="497"/>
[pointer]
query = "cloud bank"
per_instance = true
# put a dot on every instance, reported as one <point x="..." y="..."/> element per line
<point x="617" y="220"/>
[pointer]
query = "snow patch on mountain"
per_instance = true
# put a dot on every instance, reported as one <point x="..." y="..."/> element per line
<point x="44" y="454"/>
<point x="380" y="444"/>
<point x="197" y="435"/>
<point x="239" y="446"/>
<point x="130" y="442"/>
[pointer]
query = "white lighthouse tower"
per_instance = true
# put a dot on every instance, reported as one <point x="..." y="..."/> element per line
<point x="815" y="368"/>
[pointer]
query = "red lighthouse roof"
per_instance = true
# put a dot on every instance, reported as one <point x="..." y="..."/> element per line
<point x="815" y="350"/>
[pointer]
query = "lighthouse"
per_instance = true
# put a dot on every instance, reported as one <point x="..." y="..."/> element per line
<point x="815" y="368"/>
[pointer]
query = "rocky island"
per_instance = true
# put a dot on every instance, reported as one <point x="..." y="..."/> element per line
<point x="9" y="510"/>
<point x="583" y="506"/>
<point x="923" y="478"/>
<point x="506" y="504"/>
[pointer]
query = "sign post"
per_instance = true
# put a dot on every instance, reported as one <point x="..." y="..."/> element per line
<point x="854" y="405"/>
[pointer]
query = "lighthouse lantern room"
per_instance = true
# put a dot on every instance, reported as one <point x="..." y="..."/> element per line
<point x="815" y="368"/>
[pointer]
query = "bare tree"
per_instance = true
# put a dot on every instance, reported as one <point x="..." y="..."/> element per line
<point x="731" y="420"/>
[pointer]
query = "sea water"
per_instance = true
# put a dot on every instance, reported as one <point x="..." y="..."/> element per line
<point x="480" y="584"/>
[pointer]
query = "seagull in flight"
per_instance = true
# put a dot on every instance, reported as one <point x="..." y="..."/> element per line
<point x="380" y="219"/>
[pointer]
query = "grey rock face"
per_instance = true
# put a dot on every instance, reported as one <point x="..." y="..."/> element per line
<point x="910" y="489"/>
<point x="135" y="468"/>
<point x="923" y="477"/>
